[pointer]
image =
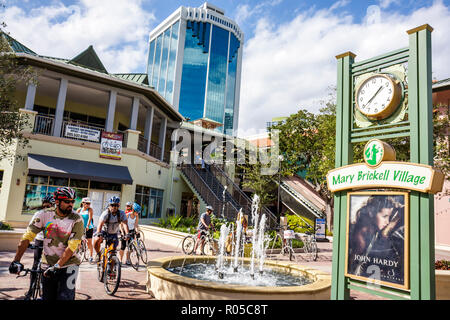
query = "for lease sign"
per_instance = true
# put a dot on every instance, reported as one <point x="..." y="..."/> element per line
<point x="390" y="174"/>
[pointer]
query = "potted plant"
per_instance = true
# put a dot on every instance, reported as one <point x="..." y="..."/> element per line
<point x="442" y="279"/>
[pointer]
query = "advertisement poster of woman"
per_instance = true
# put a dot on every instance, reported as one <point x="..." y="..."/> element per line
<point x="377" y="238"/>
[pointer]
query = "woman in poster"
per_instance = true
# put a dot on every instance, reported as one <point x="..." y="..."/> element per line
<point x="376" y="238"/>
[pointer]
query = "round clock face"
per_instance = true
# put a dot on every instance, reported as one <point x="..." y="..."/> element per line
<point x="378" y="96"/>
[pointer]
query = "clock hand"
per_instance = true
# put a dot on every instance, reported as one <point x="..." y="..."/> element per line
<point x="370" y="100"/>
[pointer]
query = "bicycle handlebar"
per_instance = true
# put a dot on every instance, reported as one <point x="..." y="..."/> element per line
<point x="28" y="271"/>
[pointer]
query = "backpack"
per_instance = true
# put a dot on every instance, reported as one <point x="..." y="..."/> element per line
<point x="119" y="213"/>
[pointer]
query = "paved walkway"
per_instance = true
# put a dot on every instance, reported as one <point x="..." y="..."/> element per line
<point x="132" y="286"/>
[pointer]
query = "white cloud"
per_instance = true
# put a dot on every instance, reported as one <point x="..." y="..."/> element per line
<point x="291" y="66"/>
<point x="118" y="31"/>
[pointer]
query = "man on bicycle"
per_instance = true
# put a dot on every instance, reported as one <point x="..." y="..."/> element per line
<point x="108" y="225"/>
<point x="47" y="202"/>
<point x="63" y="229"/>
<point x="204" y="224"/>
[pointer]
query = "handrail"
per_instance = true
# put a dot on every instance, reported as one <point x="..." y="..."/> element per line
<point x="206" y="192"/>
<point x="310" y="206"/>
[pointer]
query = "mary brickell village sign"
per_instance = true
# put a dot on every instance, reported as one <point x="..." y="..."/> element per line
<point x="383" y="240"/>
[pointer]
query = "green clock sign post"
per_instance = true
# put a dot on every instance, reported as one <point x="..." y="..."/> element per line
<point x="383" y="240"/>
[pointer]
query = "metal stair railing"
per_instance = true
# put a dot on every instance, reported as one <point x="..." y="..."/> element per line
<point x="300" y="198"/>
<point x="207" y="188"/>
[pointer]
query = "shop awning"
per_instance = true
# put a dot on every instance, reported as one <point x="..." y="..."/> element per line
<point x="77" y="169"/>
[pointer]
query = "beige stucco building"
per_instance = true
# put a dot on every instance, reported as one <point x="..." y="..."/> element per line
<point x="72" y="104"/>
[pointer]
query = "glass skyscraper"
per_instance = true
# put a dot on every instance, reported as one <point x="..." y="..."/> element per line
<point x="194" y="62"/>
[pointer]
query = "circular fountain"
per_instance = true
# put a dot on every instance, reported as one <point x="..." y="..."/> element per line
<point x="230" y="275"/>
<point x="171" y="285"/>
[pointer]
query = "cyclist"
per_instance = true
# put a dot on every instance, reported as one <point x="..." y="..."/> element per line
<point x="63" y="229"/>
<point x="128" y="207"/>
<point x="108" y="225"/>
<point x="204" y="224"/>
<point x="47" y="202"/>
<point x="132" y="221"/>
<point x="87" y="213"/>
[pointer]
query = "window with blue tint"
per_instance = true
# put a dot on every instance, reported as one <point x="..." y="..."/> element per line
<point x="215" y="99"/>
<point x="231" y="83"/>
<point x="195" y="63"/>
<point x="151" y="57"/>
<point x="172" y="60"/>
<point x="157" y="62"/>
<point x="164" y="56"/>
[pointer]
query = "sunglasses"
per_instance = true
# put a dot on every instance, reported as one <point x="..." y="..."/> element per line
<point x="68" y="201"/>
<point x="114" y="205"/>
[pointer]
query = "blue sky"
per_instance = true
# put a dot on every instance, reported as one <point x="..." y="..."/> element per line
<point x="300" y="39"/>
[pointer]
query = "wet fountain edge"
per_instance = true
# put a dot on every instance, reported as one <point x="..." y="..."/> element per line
<point x="166" y="285"/>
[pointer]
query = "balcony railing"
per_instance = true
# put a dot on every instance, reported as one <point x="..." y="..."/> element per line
<point x="43" y="125"/>
<point x="155" y="150"/>
<point x="142" y="144"/>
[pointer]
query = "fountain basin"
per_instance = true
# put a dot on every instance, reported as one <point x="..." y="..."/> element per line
<point x="166" y="285"/>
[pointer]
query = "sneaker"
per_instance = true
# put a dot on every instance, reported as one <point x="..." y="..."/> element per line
<point x="91" y="260"/>
<point x="128" y="263"/>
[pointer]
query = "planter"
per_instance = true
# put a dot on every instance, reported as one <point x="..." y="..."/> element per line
<point x="9" y="239"/>
<point x="442" y="284"/>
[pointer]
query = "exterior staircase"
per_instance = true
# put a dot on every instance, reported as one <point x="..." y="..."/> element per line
<point x="217" y="189"/>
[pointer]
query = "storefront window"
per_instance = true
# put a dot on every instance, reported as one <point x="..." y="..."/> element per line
<point x="39" y="186"/>
<point x="150" y="200"/>
<point x="1" y="179"/>
<point x="105" y="186"/>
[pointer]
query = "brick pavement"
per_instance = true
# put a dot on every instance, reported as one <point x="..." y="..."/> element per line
<point x="132" y="286"/>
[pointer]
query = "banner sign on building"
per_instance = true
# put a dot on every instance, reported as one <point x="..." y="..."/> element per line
<point x="111" y="145"/>
<point x="82" y="133"/>
<point x="378" y="237"/>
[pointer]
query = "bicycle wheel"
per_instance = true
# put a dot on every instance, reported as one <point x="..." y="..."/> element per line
<point x="314" y="251"/>
<point x="209" y="248"/>
<point x="112" y="275"/>
<point x="134" y="256"/>
<point x="142" y="251"/>
<point x="188" y="245"/>
<point x="37" y="287"/>
<point x="291" y="251"/>
<point x="84" y="251"/>
<point x="100" y="271"/>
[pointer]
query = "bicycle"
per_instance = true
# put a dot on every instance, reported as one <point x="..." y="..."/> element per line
<point x="309" y="243"/>
<point x="36" y="287"/>
<point x="83" y="249"/>
<point x="109" y="267"/>
<point x="134" y="249"/>
<point x="285" y="239"/>
<point x="141" y="247"/>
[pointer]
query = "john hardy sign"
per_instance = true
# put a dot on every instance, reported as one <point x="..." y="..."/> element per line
<point x="386" y="174"/>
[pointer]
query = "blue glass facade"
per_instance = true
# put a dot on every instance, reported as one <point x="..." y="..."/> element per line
<point x="209" y="70"/>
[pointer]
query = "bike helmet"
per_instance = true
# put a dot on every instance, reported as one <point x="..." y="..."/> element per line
<point x="64" y="193"/>
<point x="114" y="200"/>
<point x="129" y="203"/>
<point x="136" y="207"/>
<point x="209" y="208"/>
<point x="48" y="199"/>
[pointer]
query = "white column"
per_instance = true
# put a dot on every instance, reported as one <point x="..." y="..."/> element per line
<point x="60" y="103"/>
<point x="162" y="136"/>
<point x="148" y="127"/>
<point x="111" y="111"/>
<point x="31" y="94"/>
<point x="134" y="113"/>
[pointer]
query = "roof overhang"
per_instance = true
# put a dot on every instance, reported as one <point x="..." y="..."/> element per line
<point x="106" y="79"/>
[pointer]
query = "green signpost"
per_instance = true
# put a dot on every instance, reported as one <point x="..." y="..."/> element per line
<point x="388" y="96"/>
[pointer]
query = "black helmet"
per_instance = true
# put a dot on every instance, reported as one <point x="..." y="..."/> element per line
<point x="64" y="193"/>
<point x="49" y="199"/>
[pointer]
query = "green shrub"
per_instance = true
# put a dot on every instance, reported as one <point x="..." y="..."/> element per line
<point x="297" y="224"/>
<point x="5" y="226"/>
